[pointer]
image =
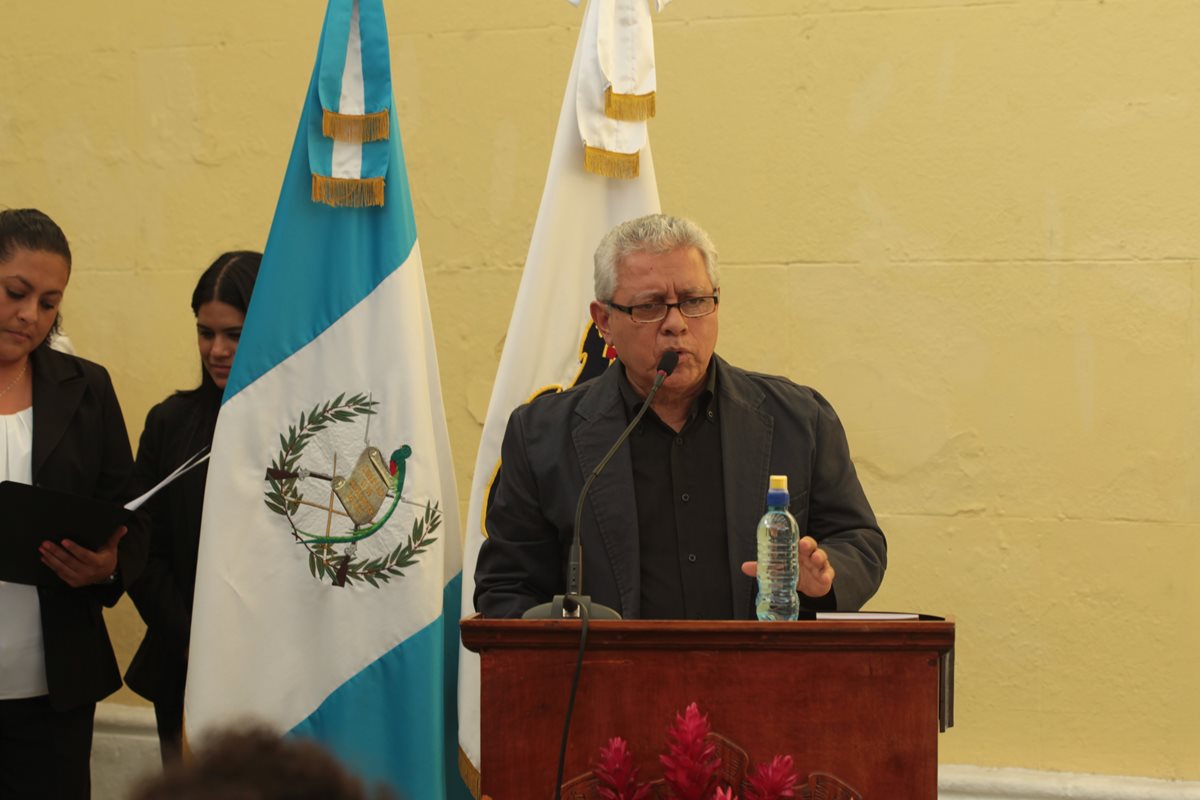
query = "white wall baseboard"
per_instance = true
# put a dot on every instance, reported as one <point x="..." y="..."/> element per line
<point x="125" y="750"/>
<point x="960" y="782"/>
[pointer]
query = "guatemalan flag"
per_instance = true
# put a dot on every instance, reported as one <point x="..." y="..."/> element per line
<point x="329" y="581"/>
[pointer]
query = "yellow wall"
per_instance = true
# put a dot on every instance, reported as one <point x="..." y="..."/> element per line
<point x="971" y="224"/>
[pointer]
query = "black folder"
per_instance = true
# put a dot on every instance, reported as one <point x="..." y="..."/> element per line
<point x="34" y="514"/>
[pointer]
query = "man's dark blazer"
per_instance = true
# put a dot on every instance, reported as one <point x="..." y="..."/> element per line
<point x="80" y="445"/>
<point x="769" y="426"/>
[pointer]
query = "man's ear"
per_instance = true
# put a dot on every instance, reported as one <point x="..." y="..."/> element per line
<point x="601" y="315"/>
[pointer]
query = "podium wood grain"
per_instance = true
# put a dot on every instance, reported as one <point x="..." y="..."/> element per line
<point x="856" y="699"/>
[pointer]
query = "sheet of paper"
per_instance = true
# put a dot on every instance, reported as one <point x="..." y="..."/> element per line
<point x="861" y="616"/>
<point x="196" y="460"/>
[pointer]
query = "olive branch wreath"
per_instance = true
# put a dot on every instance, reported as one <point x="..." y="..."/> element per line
<point x="283" y="497"/>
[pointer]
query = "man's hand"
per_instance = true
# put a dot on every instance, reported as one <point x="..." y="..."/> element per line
<point x="816" y="573"/>
<point x="77" y="565"/>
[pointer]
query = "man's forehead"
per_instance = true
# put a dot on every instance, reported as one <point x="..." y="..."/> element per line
<point x="677" y="267"/>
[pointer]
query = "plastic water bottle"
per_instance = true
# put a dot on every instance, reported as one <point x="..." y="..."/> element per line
<point x="778" y="564"/>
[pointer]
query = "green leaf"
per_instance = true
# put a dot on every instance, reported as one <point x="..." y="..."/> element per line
<point x="276" y="508"/>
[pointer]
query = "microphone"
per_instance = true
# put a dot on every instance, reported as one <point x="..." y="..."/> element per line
<point x="567" y="605"/>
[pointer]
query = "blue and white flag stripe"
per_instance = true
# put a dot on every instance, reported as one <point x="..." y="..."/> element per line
<point x="351" y="27"/>
<point x="360" y="249"/>
<point x="353" y="79"/>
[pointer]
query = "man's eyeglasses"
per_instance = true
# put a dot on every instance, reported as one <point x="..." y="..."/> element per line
<point x="656" y="312"/>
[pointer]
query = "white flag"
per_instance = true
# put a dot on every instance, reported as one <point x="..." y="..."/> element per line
<point x="551" y="344"/>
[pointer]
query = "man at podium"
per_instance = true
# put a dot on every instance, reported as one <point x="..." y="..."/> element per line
<point x="669" y="525"/>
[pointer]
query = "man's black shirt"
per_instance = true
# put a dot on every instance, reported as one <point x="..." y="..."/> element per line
<point x="680" y="497"/>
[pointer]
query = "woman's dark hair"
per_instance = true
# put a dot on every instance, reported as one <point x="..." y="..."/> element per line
<point x="229" y="280"/>
<point x="30" y="229"/>
<point x="256" y="764"/>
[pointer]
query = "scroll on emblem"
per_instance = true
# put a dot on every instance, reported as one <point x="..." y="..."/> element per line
<point x="362" y="493"/>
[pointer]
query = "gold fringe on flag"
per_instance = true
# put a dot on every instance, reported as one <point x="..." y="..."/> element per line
<point x="610" y="164"/>
<point x="469" y="774"/>
<point x="628" y="107"/>
<point x="347" y="192"/>
<point x="356" y="127"/>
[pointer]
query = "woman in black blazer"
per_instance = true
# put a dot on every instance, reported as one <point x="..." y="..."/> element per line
<point x="60" y="427"/>
<point x="176" y="429"/>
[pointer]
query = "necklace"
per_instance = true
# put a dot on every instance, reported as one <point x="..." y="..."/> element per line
<point x="15" y="380"/>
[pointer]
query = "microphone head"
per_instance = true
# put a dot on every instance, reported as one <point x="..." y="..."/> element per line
<point x="668" y="362"/>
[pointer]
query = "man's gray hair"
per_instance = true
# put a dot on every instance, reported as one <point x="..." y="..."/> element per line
<point x="654" y="234"/>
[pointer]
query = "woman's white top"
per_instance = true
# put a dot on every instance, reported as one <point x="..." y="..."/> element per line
<point x="22" y="652"/>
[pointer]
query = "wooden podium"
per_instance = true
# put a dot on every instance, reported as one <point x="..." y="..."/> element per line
<point x="863" y="700"/>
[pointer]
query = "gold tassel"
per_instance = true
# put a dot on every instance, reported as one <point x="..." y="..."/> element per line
<point x="347" y="192"/>
<point x="628" y="107"/>
<point x="356" y="127"/>
<point x="469" y="774"/>
<point x="610" y="164"/>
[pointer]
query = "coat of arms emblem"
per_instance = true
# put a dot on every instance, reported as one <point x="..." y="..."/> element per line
<point x="359" y="508"/>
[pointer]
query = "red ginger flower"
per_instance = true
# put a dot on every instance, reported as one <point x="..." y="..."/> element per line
<point x="773" y="781"/>
<point x="724" y="794"/>
<point x="690" y="763"/>
<point x="614" y="767"/>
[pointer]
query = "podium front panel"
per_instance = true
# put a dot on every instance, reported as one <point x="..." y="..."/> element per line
<point x="858" y="700"/>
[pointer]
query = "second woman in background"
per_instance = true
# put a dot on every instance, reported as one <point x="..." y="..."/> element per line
<point x="176" y="429"/>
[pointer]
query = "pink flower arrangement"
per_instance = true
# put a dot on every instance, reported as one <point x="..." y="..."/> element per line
<point x="773" y="780"/>
<point x="690" y="768"/>
<point x="690" y="763"/>
<point x="618" y="776"/>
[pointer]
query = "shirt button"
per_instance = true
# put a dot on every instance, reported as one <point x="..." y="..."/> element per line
<point x="685" y="497"/>
<point x="711" y="415"/>
<point x="692" y="557"/>
<point x="679" y="440"/>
